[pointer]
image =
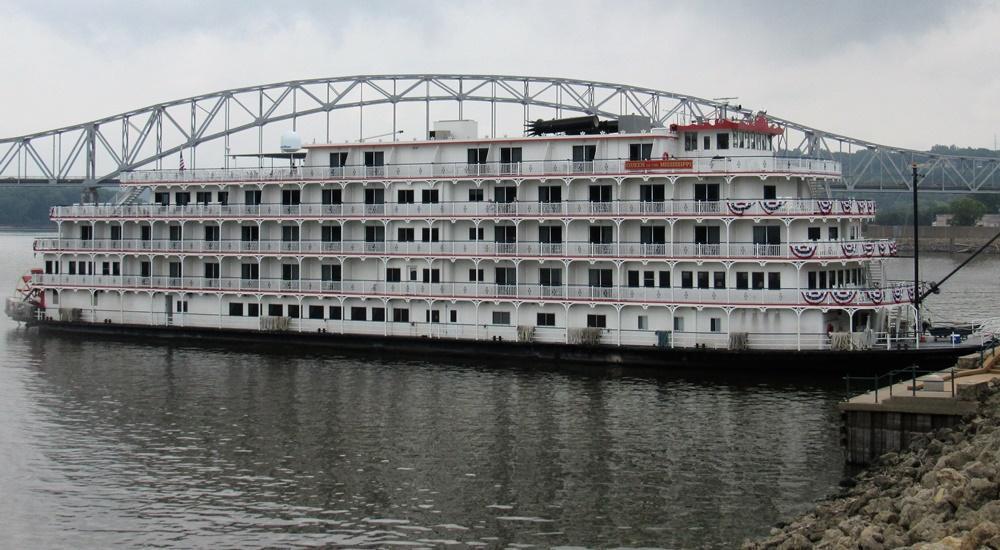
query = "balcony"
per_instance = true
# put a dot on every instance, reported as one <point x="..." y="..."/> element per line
<point x="734" y="208"/>
<point x="843" y="297"/>
<point x="538" y="168"/>
<point x="808" y="250"/>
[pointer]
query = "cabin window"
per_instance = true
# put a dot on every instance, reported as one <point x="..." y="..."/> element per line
<point x="584" y="153"/>
<point x="332" y="196"/>
<point x="550" y="234"/>
<point x="289" y="233"/>
<point x="429" y="235"/>
<point x="253" y="310"/>
<point x="640" y="151"/>
<point x="633" y="279"/>
<point x="642" y="322"/>
<point x="707" y="142"/>
<point x="315" y="312"/>
<point x="334" y="312"/>
<point x="601" y="234"/>
<point x="289" y="272"/>
<point x="359" y="314"/>
<point x="338" y="160"/>
<point x="400" y="315"/>
<point x="757" y="279"/>
<point x="719" y="279"/>
<point x="116" y="232"/>
<point x="832" y="233"/>
<point x="687" y="279"/>
<point x="291" y="197"/>
<point x="690" y="141"/>
<point x="550" y="193"/>
<point x="505" y="275"/>
<point x="652" y="193"/>
<point x="476" y="234"/>
<point x="211" y="270"/>
<point x="222" y="197"/>
<point x="664" y="279"/>
<point x="546" y="320"/>
<point x="404" y="196"/>
<point x="236" y="309"/>
<point x="770" y="192"/>
<point x="275" y="310"/>
<point x="453" y="316"/>
<point x="476" y="275"/>
<point x="597" y="321"/>
<point x="600" y="193"/>
<point x="813" y="233"/>
<point x="374" y="196"/>
<point x="774" y="280"/>
<point x="742" y="280"/>
<point x="722" y="141"/>
<point x="477" y="155"/>
<point x="600" y="278"/>
<point x="550" y="276"/>
<point x="715" y="324"/>
<point x="330" y="233"/>
<point x="251" y="198"/>
<point x="434" y="275"/>
<point x="510" y="155"/>
<point x="393" y="275"/>
<point x="203" y="197"/>
<point x="429" y="196"/>
<point x="249" y="272"/>
<point x="475" y="195"/>
<point x="405" y="234"/>
<point x="293" y="311"/>
<point x="378" y="314"/>
<point x="702" y="279"/>
<point x="374" y="158"/>
<point x="330" y="273"/>
<point x="501" y="317"/>
<point x="678" y="324"/>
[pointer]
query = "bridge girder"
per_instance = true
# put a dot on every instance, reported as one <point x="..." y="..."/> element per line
<point x="96" y="152"/>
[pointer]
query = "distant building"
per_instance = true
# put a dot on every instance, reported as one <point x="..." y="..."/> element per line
<point x="989" y="220"/>
<point x="942" y="220"/>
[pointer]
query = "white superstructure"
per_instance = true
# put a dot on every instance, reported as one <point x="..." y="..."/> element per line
<point x="678" y="237"/>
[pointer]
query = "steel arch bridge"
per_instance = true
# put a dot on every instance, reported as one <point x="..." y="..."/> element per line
<point x="96" y="152"/>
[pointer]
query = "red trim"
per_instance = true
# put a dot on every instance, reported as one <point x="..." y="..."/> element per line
<point x="759" y="125"/>
<point x="377" y="144"/>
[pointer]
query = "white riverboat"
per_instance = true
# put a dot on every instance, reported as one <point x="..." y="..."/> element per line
<point x="697" y="236"/>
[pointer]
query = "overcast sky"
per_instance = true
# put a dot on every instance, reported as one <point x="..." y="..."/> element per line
<point x="908" y="73"/>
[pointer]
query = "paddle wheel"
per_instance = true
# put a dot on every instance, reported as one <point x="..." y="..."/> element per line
<point x="27" y="299"/>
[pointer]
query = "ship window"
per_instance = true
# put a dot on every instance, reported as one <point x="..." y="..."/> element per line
<point x="706" y="234"/>
<point x="600" y="234"/>
<point x="584" y="153"/>
<point x="770" y="192"/>
<point x="86" y="232"/>
<point x="687" y="279"/>
<point x="476" y="234"/>
<point x="432" y="275"/>
<point x="212" y="233"/>
<point x="236" y="309"/>
<point x="315" y="312"/>
<point x="550" y="193"/>
<point x="374" y="158"/>
<point x="374" y="196"/>
<point x="633" y="279"/>
<point x="289" y="272"/>
<point x="505" y="234"/>
<point x="116" y="232"/>
<point x="222" y="197"/>
<point x="275" y="310"/>
<point x="289" y="233"/>
<point x="550" y="234"/>
<point x="428" y="234"/>
<point x="332" y="196"/>
<point x="145" y="269"/>
<point x="715" y="324"/>
<point x="653" y="234"/>
<point x="640" y="151"/>
<point x="338" y="160"/>
<point x="546" y="320"/>
<point x="505" y="275"/>
<point x="404" y="196"/>
<point x="722" y="141"/>
<point x="203" y="197"/>
<point x="600" y="193"/>
<point x="48" y="267"/>
<point x="477" y="155"/>
<point x="429" y="196"/>
<point x="813" y="233"/>
<point x="757" y="280"/>
<point x="211" y="270"/>
<point x="600" y="278"/>
<point x="774" y="280"/>
<point x="400" y="315"/>
<point x="330" y="233"/>
<point x="251" y="198"/>
<point x="690" y="141"/>
<point x="664" y="279"/>
<point x="832" y="233"/>
<point x="175" y="233"/>
<point x="291" y="197"/>
<point x="652" y="193"/>
<point x="359" y="314"/>
<point x="145" y="232"/>
<point x="330" y="272"/>
<point x="706" y="191"/>
<point x="250" y="271"/>
<point x="393" y="275"/>
<point x="811" y="278"/>
<point x="378" y="314"/>
<point x="678" y="324"/>
<point x="293" y="311"/>
<point x="174" y="269"/>
<point x="501" y="317"/>
<point x="766" y="234"/>
<point x="413" y="274"/>
<point x="702" y="279"/>
<point x="253" y="310"/>
<point x="476" y="275"/>
<point x="250" y="233"/>
<point x="405" y="234"/>
<point x="334" y="312"/>
<point x="642" y="322"/>
<point x="374" y="233"/>
<point x="550" y="276"/>
<point x="719" y="279"/>
<point x="597" y="321"/>
<point x="742" y="280"/>
<point x="510" y="155"/>
<point x="162" y="198"/>
<point x="105" y="268"/>
<point x="505" y="194"/>
<point x="649" y="279"/>
<point x="182" y="199"/>
<point x="475" y="195"/>
<point x="707" y="143"/>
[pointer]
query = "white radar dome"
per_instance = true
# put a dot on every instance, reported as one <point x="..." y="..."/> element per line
<point x="290" y="142"/>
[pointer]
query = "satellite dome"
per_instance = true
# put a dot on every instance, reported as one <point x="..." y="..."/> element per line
<point x="290" y="142"/>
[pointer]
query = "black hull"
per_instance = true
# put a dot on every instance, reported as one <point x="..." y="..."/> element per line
<point x="401" y="347"/>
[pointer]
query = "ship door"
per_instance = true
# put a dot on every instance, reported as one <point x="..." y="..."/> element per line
<point x="168" y="307"/>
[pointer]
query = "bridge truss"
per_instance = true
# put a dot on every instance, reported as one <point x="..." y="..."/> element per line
<point x="96" y="152"/>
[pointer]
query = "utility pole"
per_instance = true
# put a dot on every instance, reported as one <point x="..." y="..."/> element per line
<point x="916" y="261"/>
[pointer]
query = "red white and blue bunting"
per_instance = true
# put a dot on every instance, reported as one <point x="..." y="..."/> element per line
<point x="824" y="207"/>
<point x="771" y="206"/>
<point x="739" y="207"/>
<point x="868" y="248"/>
<point x="897" y="294"/>
<point x="803" y="250"/>
<point x="909" y="292"/>
<point x="814" y="297"/>
<point x="843" y="296"/>
<point x="893" y="248"/>
<point x="850" y="249"/>
<point x="883" y="248"/>
<point x="875" y="295"/>
<point x="846" y="206"/>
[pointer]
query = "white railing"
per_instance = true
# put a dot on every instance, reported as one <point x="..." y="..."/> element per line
<point x="815" y="250"/>
<point x="578" y="293"/>
<point x="699" y="165"/>
<point x="483" y="209"/>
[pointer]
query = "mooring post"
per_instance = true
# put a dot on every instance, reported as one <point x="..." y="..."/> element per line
<point x="913" y="384"/>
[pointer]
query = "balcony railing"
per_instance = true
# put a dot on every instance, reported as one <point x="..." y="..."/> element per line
<point x="897" y="293"/>
<point x="733" y="208"/>
<point x="807" y="250"/>
<point x="699" y="165"/>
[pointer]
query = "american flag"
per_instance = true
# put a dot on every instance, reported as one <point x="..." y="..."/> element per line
<point x="182" y="161"/>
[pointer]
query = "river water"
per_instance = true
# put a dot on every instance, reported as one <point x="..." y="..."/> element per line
<point x="133" y="443"/>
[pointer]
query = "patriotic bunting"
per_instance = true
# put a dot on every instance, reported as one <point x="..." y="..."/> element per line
<point x="850" y="249"/>
<point x="814" y="297"/>
<point x="771" y="205"/>
<point x="843" y="296"/>
<point x="803" y="250"/>
<point x="897" y="294"/>
<point x="893" y="248"/>
<point x="875" y="295"/>
<point x="868" y="248"/>
<point x="825" y="207"/>
<point x="846" y="205"/>
<point x="739" y="207"/>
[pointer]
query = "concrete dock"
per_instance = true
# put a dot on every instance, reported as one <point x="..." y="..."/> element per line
<point x="913" y="402"/>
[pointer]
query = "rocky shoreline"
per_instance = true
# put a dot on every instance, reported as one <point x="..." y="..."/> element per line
<point x="943" y="492"/>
